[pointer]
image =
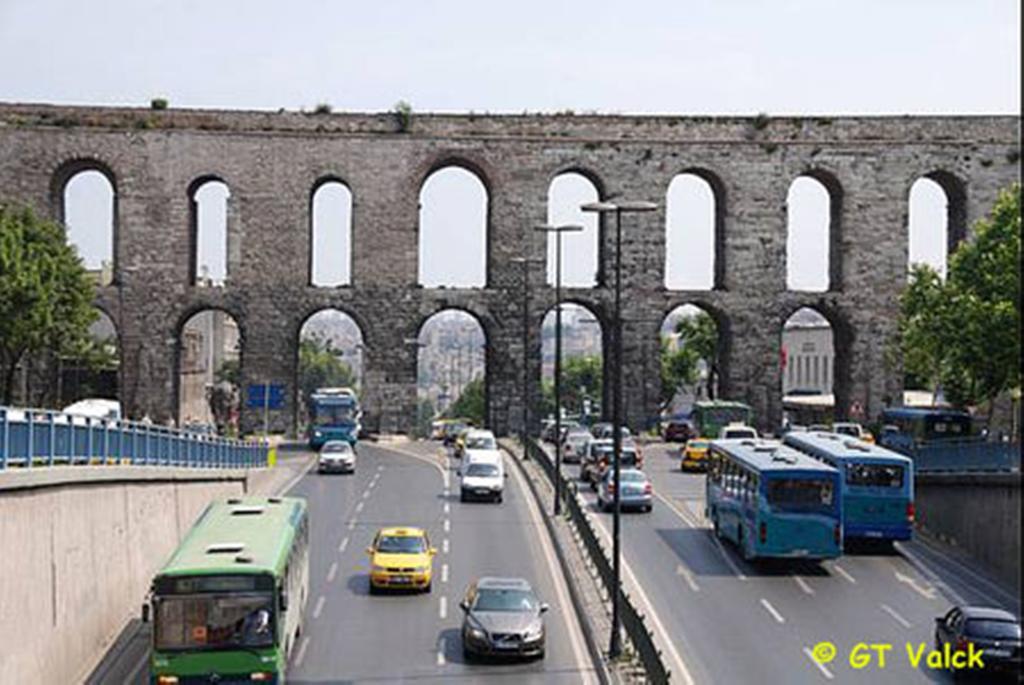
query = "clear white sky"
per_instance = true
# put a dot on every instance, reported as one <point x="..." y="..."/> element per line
<point x="699" y="57"/>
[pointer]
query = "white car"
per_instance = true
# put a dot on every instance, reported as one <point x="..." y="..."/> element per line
<point x="482" y="477"/>
<point x="737" y="431"/>
<point x="337" y="456"/>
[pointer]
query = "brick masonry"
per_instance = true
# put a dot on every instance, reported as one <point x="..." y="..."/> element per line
<point x="272" y="161"/>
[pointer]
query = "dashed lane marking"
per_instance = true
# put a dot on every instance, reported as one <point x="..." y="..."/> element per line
<point x="342" y="546"/>
<point x="821" y="667"/>
<point x="352" y="524"/>
<point x="441" y="644"/>
<point x="896" y="617"/>
<point x="302" y="651"/>
<point x="808" y="590"/>
<point x="445" y="546"/>
<point x="359" y="507"/>
<point x="688" y="577"/>
<point x="443" y="609"/>
<point x="771" y="610"/>
<point x="447" y="525"/>
<point x="444" y="573"/>
<point x="319" y="606"/>
<point x="332" y="573"/>
<point x="842" y="571"/>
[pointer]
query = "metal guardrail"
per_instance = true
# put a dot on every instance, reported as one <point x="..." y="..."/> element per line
<point x="40" y="437"/>
<point x="633" y="621"/>
<point x="962" y="456"/>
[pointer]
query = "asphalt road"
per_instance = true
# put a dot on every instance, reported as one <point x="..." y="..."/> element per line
<point x="730" y="621"/>
<point x="352" y="637"/>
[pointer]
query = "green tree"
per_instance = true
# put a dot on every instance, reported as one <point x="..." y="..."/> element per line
<point x="321" y="366"/>
<point x="698" y="340"/>
<point x="965" y="333"/>
<point x="424" y="416"/>
<point x="678" y="368"/>
<point x="582" y="377"/>
<point x="45" y="293"/>
<point x="470" y="403"/>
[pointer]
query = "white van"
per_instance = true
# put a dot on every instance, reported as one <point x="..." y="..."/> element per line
<point x="737" y="431"/>
<point x="482" y="476"/>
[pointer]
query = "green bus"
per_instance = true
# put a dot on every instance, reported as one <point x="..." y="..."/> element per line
<point x="710" y="416"/>
<point x="228" y="605"/>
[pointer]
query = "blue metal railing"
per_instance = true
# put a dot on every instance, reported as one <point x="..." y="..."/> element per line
<point x="963" y="455"/>
<point x="40" y="437"/>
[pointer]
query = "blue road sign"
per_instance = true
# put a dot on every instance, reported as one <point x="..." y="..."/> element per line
<point x="259" y="394"/>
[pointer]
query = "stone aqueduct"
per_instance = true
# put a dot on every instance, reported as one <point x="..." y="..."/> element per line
<point x="273" y="161"/>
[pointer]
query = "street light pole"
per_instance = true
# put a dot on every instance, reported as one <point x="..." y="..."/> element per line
<point x="558" y="231"/>
<point x="615" y="640"/>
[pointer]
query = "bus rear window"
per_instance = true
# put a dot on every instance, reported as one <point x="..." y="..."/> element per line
<point x="877" y="475"/>
<point x="800" y="493"/>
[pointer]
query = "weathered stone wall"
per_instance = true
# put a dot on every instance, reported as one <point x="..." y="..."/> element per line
<point x="272" y="161"/>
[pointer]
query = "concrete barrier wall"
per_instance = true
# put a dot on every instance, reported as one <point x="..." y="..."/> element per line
<point x="980" y="513"/>
<point x="78" y="547"/>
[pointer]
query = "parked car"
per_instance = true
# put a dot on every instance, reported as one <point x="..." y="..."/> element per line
<point x="637" y="491"/>
<point x="503" y="618"/>
<point x="677" y="430"/>
<point x="994" y="632"/>
<point x="337" y="456"/>
<point x="574" y="444"/>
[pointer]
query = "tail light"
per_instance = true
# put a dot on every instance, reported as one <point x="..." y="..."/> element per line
<point x="910" y="512"/>
<point x="167" y="680"/>
<point x="262" y="676"/>
<point x="648" y="489"/>
<point x="611" y="487"/>
<point x="837" y="534"/>
<point x="763" y="532"/>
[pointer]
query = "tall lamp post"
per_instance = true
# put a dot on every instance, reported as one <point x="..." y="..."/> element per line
<point x="558" y="231"/>
<point x="617" y="208"/>
<point x="526" y="262"/>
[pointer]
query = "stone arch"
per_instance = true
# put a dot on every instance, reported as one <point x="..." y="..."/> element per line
<point x="715" y="225"/>
<point x="803" y="217"/>
<point x="338" y="329"/>
<point x="954" y="190"/>
<point x="101" y="256"/>
<point x="197" y="229"/>
<point x="573" y="327"/>
<point x="341" y="273"/>
<point x="567" y="190"/>
<point x="716" y="383"/>
<point x="476" y="222"/>
<point x="207" y="338"/>
<point x="468" y="344"/>
<point x="815" y="361"/>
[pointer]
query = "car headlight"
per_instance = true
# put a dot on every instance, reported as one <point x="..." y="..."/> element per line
<point x="317" y="434"/>
<point x="477" y="633"/>
<point x="535" y="633"/>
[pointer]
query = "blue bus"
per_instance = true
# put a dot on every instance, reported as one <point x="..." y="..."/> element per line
<point x="877" y="484"/>
<point x="773" y="501"/>
<point x="334" y="414"/>
<point x="904" y="428"/>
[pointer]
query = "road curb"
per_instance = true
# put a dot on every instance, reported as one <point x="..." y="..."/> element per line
<point x="605" y="675"/>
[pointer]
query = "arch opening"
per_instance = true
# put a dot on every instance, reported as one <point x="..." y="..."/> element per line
<point x="811" y="233"/>
<point x="691" y="233"/>
<point x="936" y="220"/>
<point x="692" y="358"/>
<point x="209" y="372"/>
<point x="453" y="220"/>
<point x="580" y="250"/>
<point x="583" y="391"/>
<point x="89" y="209"/>
<point x="209" y="201"/>
<point x="331" y="235"/>
<point x="451" y="369"/>
<point x="330" y="355"/>
<point x="808" y="369"/>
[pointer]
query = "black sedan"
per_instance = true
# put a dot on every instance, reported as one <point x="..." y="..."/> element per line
<point x="503" y="618"/>
<point x="993" y="633"/>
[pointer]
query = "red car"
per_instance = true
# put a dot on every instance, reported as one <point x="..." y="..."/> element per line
<point x="677" y="431"/>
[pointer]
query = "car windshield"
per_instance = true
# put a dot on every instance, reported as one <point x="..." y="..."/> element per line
<point x="214" y="621"/>
<point x="401" y="544"/>
<point x="337" y="447"/>
<point x="739" y="433"/>
<point x="1005" y="630"/>
<point x="878" y="475"/>
<point x="482" y="470"/>
<point x="502" y="599"/>
<point x="699" y="444"/>
<point x="800" y="494"/>
<point x="334" y="414"/>
<point x="632" y="477"/>
<point x="481" y="442"/>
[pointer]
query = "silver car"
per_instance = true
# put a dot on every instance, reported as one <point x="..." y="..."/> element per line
<point x="575" y="444"/>
<point x="503" y="617"/>
<point x="637" y="492"/>
<point x="336" y="456"/>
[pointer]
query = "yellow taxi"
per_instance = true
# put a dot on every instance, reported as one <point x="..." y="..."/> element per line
<point x="694" y="455"/>
<point x="401" y="558"/>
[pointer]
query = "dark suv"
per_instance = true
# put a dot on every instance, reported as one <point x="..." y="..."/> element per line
<point x="993" y="632"/>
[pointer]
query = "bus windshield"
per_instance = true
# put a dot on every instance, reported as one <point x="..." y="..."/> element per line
<point x="800" y="494"/>
<point x="214" y="621"/>
<point x="333" y="414"/>
<point x="877" y="475"/>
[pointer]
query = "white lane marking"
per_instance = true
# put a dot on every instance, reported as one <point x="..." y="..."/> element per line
<point x="379" y="469"/>
<point x="332" y="573"/>
<point x="441" y="644"/>
<point x="133" y="677"/>
<point x="821" y="667"/>
<point x="302" y="650"/>
<point x="580" y="654"/>
<point x="447" y="508"/>
<point x="444" y="573"/>
<point x="687" y="576"/>
<point x="343" y="545"/>
<point x="771" y="610"/>
<point x="445" y="546"/>
<point x="299" y="476"/>
<point x="899" y="619"/>
<point x="725" y="555"/>
<point x="927" y="592"/>
<point x="443" y="609"/>
<point x="678" y="511"/>
<point x="938" y="582"/>
<point x="352" y="524"/>
<point x="447" y="525"/>
<point x="366" y="495"/>
<point x="808" y="590"/>
<point x="319" y="606"/>
<point x="359" y="507"/>
<point x="842" y="571"/>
